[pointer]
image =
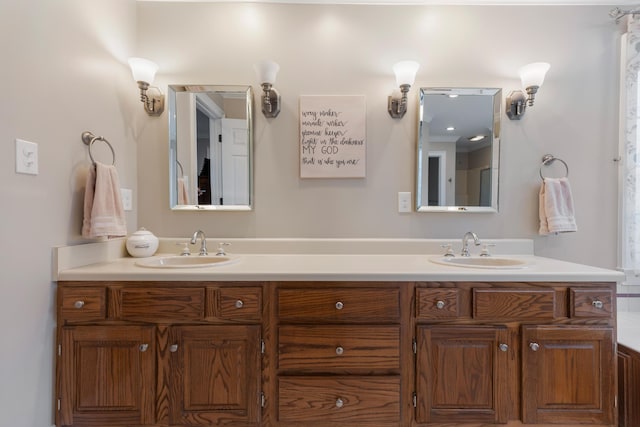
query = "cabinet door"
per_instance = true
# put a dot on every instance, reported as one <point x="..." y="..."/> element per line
<point x="215" y="375"/>
<point x="568" y="375"/>
<point x="461" y="374"/>
<point x="107" y="375"/>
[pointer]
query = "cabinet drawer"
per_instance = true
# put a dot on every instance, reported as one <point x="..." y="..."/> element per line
<point x="82" y="304"/>
<point x="239" y="303"/>
<point x="339" y="399"/>
<point x="330" y="348"/>
<point x="339" y="305"/>
<point x="159" y="304"/>
<point x="514" y="304"/>
<point x="591" y="303"/>
<point x="438" y="303"/>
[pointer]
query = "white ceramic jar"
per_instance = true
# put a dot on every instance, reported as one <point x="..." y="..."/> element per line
<point x="142" y="244"/>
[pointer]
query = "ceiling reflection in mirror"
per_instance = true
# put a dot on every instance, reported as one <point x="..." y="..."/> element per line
<point x="458" y="150"/>
<point x="210" y="147"/>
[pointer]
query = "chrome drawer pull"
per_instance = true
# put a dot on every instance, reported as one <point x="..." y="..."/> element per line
<point x="503" y="347"/>
<point x="339" y="305"/>
<point x="339" y="350"/>
<point x="143" y="347"/>
<point x="534" y="346"/>
<point x="597" y="304"/>
<point x="173" y="348"/>
<point x="440" y="305"/>
<point x="339" y="403"/>
<point x="78" y="304"/>
<point x="239" y="304"/>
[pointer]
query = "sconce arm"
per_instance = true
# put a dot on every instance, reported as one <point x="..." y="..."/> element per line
<point x="153" y="104"/>
<point x="270" y="100"/>
<point x="398" y="107"/>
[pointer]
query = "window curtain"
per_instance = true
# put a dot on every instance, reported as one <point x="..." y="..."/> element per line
<point x="630" y="61"/>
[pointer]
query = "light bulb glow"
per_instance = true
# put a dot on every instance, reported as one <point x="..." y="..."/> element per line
<point x="267" y="71"/>
<point x="405" y="72"/>
<point x="533" y="74"/>
<point x="143" y="70"/>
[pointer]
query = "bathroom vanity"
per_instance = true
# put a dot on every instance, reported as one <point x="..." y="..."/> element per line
<point x="332" y="340"/>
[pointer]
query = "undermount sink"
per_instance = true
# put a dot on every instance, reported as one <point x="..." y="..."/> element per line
<point x="185" y="261"/>
<point x="482" y="262"/>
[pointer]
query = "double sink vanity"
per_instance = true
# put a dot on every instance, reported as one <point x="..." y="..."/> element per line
<point x="332" y="332"/>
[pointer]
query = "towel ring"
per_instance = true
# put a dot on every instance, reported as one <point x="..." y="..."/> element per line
<point x="88" y="138"/>
<point x="181" y="169"/>
<point x="550" y="158"/>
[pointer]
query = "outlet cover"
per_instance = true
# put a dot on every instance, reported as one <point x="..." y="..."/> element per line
<point x="127" y="198"/>
<point x="26" y="157"/>
<point x="404" y="201"/>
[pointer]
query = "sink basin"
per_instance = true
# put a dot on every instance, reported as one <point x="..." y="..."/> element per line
<point x="184" y="261"/>
<point x="493" y="262"/>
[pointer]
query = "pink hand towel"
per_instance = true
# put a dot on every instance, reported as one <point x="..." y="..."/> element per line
<point x="556" y="207"/>
<point x="103" y="212"/>
<point x="183" y="192"/>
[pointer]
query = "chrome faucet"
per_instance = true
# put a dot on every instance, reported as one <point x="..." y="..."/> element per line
<point x="203" y="242"/>
<point x="465" y="242"/>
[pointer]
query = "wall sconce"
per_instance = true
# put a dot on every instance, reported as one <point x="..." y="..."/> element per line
<point x="405" y="72"/>
<point x="143" y="72"/>
<point x="267" y="71"/>
<point x="532" y="76"/>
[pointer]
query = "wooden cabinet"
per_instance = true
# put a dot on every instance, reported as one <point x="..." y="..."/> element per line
<point x="159" y="354"/>
<point x="501" y="352"/>
<point x="338" y="355"/>
<point x="328" y="354"/>
<point x="628" y="387"/>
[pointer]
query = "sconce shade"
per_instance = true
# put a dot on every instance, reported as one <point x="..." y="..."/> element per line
<point x="533" y="74"/>
<point x="267" y="71"/>
<point x="405" y="72"/>
<point x="143" y="70"/>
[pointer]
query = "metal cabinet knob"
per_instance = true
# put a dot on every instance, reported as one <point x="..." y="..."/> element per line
<point x="534" y="346"/>
<point x="597" y="304"/>
<point x="239" y="304"/>
<point x="503" y="347"/>
<point x="78" y="304"/>
<point x="339" y="305"/>
<point x="173" y="348"/>
<point x="440" y="305"/>
<point x="143" y="347"/>
<point x="339" y="403"/>
<point x="339" y="350"/>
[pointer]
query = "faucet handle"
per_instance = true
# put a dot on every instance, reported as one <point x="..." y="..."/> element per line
<point x="221" y="251"/>
<point x="185" y="248"/>
<point x="485" y="249"/>
<point x="449" y="249"/>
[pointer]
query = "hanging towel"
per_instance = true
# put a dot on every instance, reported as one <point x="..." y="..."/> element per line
<point x="183" y="192"/>
<point x="103" y="212"/>
<point x="556" y="207"/>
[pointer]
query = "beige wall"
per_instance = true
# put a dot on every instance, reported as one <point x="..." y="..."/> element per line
<point x="350" y="50"/>
<point x="63" y="72"/>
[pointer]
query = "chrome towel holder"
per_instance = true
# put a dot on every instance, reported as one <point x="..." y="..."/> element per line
<point x="89" y="138"/>
<point x="548" y="159"/>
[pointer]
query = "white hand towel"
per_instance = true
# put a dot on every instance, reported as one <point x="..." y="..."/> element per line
<point x="183" y="192"/>
<point x="103" y="212"/>
<point x="556" y="207"/>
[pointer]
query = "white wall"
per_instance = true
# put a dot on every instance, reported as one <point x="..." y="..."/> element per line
<point x="350" y="50"/>
<point x="63" y="72"/>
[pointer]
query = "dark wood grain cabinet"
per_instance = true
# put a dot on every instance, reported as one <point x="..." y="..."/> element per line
<point x="628" y="387"/>
<point x="329" y="354"/>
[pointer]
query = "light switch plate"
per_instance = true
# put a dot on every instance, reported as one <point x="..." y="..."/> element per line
<point x="126" y="194"/>
<point x="26" y="157"/>
<point x="404" y="201"/>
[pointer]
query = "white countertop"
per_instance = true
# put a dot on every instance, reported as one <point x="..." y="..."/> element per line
<point x="348" y="267"/>
<point x="629" y="329"/>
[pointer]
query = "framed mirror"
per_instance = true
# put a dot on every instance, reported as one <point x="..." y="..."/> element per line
<point x="458" y="150"/>
<point x="211" y="147"/>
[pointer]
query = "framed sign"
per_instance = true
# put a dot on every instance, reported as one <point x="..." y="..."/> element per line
<point x="332" y="136"/>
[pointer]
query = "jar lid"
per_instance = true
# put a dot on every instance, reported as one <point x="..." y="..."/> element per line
<point x="142" y="232"/>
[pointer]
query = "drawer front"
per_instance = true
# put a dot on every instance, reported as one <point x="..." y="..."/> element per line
<point x="437" y="303"/>
<point x="591" y="303"/>
<point x="514" y="304"/>
<point x="239" y="303"/>
<point x="339" y="399"/>
<point x="159" y="304"/>
<point x="331" y="348"/>
<point x="339" y="305"/>
<point x="83" y="304"/>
